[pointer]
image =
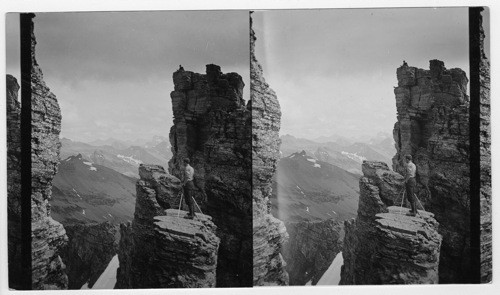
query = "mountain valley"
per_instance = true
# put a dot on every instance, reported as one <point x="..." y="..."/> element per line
<point x="308" y="189"/>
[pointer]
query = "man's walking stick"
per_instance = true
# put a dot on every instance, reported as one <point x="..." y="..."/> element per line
<point x="180" y="204"/>
<point x="197" y="206"/>
<point x="419" y="202"/>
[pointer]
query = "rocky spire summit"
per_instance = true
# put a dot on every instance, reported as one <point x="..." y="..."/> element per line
<point x="161" y="248"/>
<point x="212" y="127"/>
<point x="433" y="126"/>
<point x="384" y="245"/>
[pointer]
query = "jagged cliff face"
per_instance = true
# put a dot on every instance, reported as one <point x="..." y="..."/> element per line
<point x="48" y="235"/>
<point x="485" y="150"/>
<point x="311" y="248"/>
<point x="192" y="262"/>
<point x="269" y="233"/>
<point x="383" y="245"/>
<point x="212" y="127"/>
<point x="433" y="127"/>
<point x="14" y="182"/>
<point x="161" y="248"/>
<point x="90" y="248"/>
<point x="137" y="238"/>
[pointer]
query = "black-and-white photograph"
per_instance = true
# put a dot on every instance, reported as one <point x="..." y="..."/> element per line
<point x="372" y="175"/>
<point x="140" y="149"/>
<point x="306" y="149"/>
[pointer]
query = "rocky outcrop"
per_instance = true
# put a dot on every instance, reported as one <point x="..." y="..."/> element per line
<point x="485" y="151"/>
<point x="161" y="188"/>
<point x="90" y="248"/>
<point x="137" y="238"/>
<point x="191" y="257"/>
<point x="48" y="236"/>
<point x="383" y="245"/>
<point x="14" y="182"/>
<point x="311" y="248"/>
<point x="212" y="127"/>
<point x="433" y="127"/>
<point x="161" y="248"/>
<point x="399" y="250"/>
<point x="269" y="233"/>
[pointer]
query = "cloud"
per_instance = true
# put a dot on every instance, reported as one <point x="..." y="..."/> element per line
<point x="138" y="45"/>
<point x="112" y="71"/>
<point x="333" y="69"/>
<point x="341" y="64"/>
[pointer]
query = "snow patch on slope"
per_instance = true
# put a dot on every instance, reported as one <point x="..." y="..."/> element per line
<point x="77" y="193"/>
<point x="332" y="274"/>
<point x="107" y="280"/>
<point x="130" y="160"/>
<point x="354" y="156"/>
<point x="300" y="190"/>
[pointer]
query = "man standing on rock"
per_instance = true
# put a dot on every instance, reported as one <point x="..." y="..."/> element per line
<point x="411" y="183"/>
<point x="188" y="186"/>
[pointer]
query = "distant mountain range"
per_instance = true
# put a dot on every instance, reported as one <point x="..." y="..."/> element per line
<point x="120" y="155"/>
<point x="86" y="192"/>
<point x="305" y="188"/>
<point x="96" y="182"/>
<point x="122" y="144"/>
<point x="342" y="152"/>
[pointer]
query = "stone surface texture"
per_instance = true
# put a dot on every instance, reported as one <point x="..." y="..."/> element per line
<point x="14" y="182"/>
<point x="212" y="127"/>
<point x="269" y="233"/>
<point x="383" y="245"/>
<point x="161" y="248"/>
<point x="90" y="248"/>
<point x="192" y="246"/>
<point x="311" y="248"/>
<point x="433" y="126"/>
<point x="48" y="236"/>
<point x="485" y="150"/>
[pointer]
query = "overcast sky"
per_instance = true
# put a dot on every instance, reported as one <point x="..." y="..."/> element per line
<point x="334" y="69"/>
<point x="112" y="71"/>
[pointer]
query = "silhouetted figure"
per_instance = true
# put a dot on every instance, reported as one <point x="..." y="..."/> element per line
<point x="404" y="63"/>
<point x="181" y="68"/>
<point x="189" y="187"/>
<point x="411" y="183"/>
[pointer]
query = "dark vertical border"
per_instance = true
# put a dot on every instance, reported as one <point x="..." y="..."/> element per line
<point x="26" y="24"/>
<point x="249" y="107"/>
<point x="474" y="139"/>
